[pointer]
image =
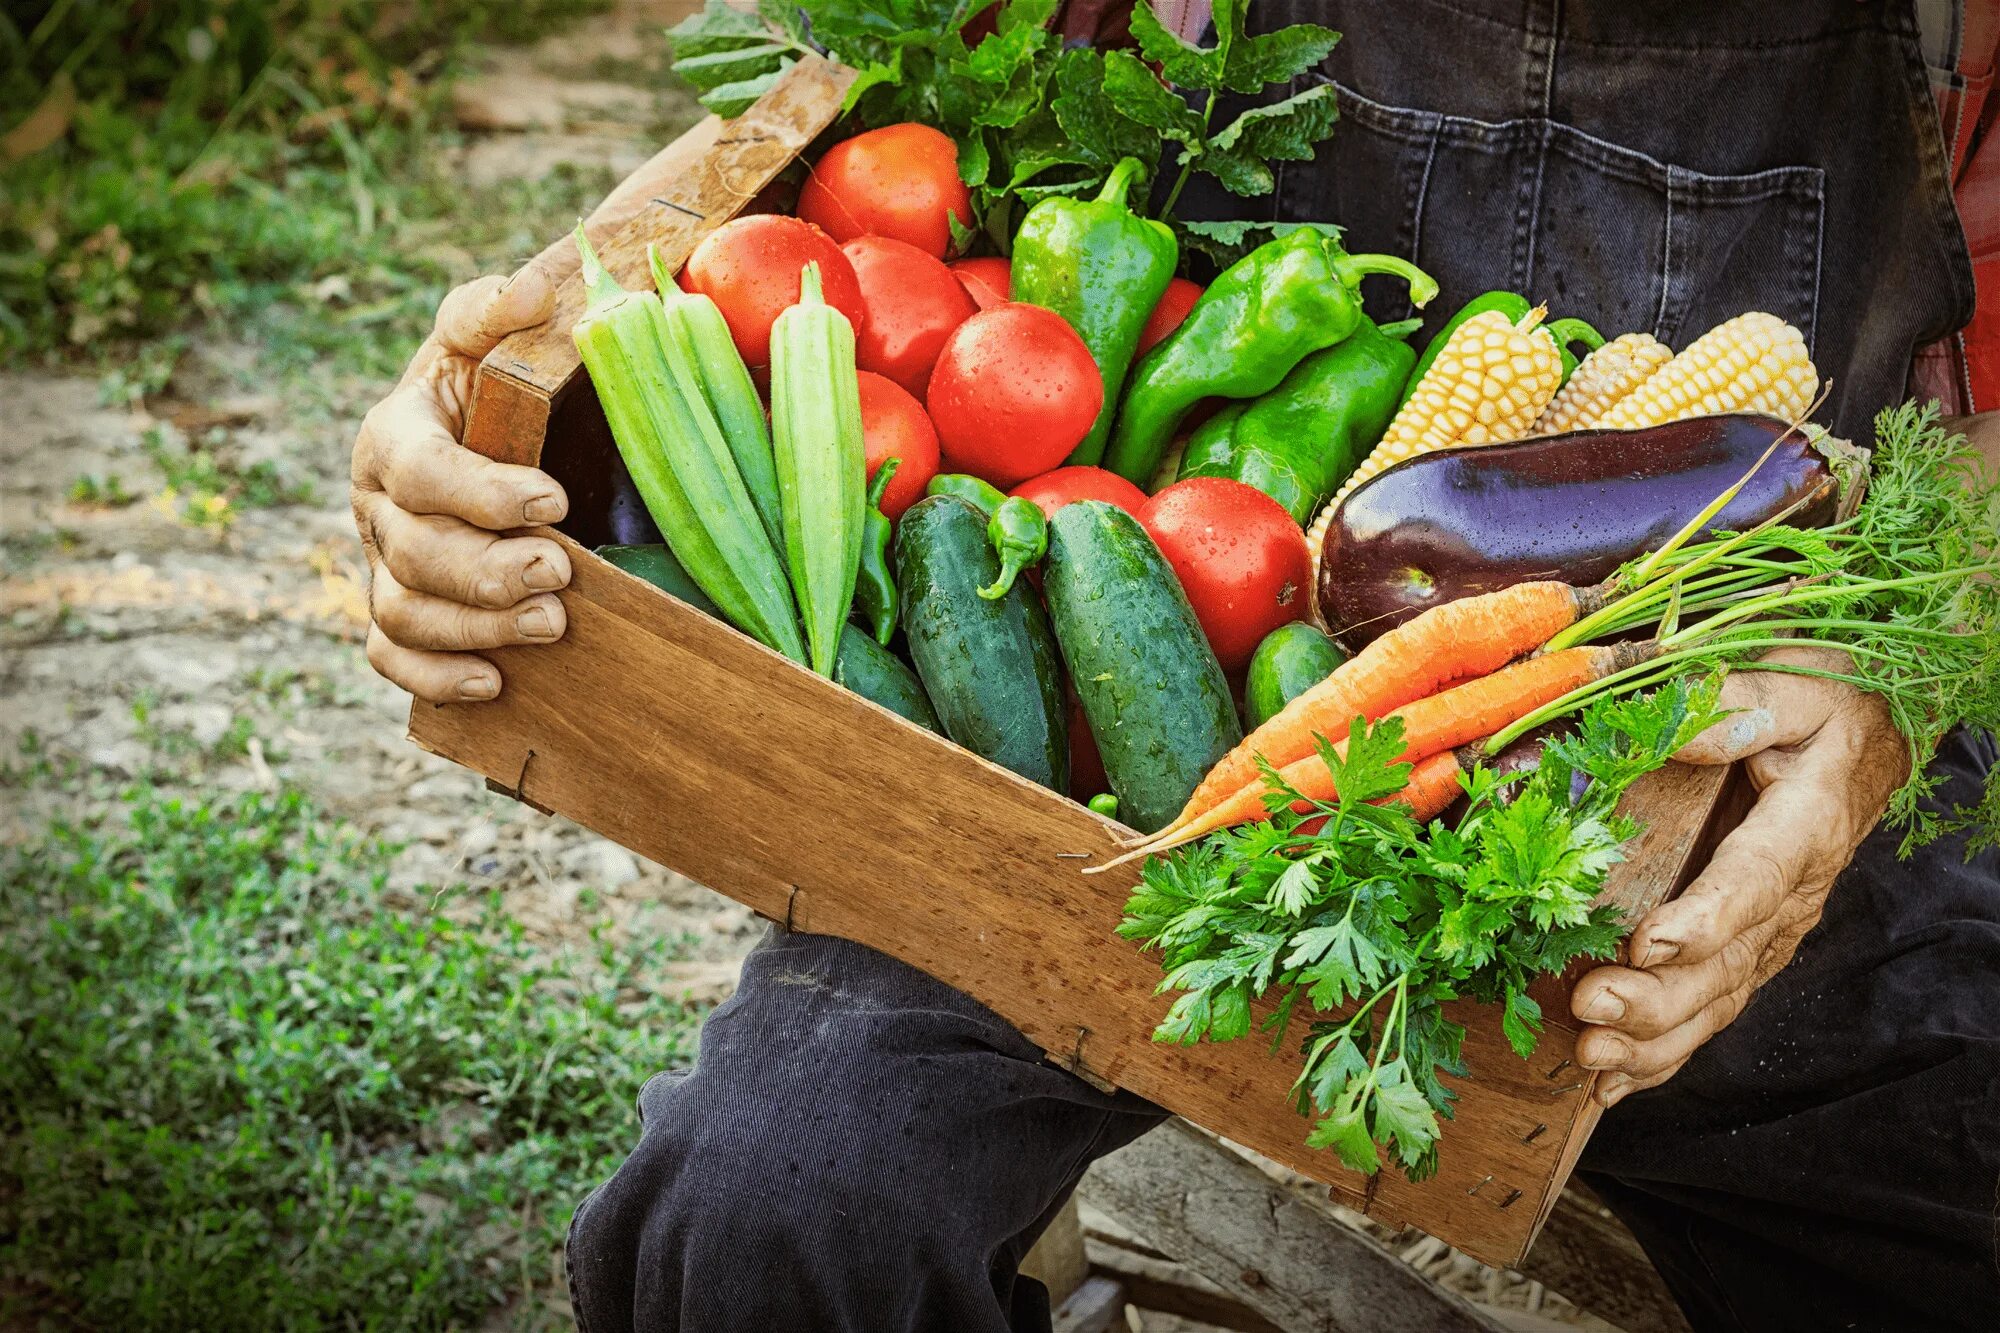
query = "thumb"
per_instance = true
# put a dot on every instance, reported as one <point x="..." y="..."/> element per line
<point x="1771" y="708"/>
<point x="475" y="317"/>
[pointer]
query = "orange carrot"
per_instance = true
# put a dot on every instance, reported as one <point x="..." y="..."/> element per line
<point x="1458" y="641"/>
<point x="1433" y="785"/>
<point x="1464" y="713"/>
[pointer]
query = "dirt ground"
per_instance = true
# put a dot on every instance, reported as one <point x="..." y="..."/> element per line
<point x="126" y="629"/>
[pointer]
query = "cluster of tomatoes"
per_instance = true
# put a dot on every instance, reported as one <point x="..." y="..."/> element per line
<point x="956" y="377"/>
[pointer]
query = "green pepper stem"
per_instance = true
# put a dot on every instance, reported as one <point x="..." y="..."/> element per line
<point x="1400" y="330"/>
<point x="1119" y="182"/>
<point x="877" y="487"/>
<point x="1351" y="269"/>
<point x="1567" y="331"/>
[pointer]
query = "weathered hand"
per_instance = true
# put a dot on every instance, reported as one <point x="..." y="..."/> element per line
<point x="1824" y="758"/>
<point x="444" y="581"/>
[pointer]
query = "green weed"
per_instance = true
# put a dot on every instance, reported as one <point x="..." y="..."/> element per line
<point x="106" y="492"/>
<point x="236" y="1093"/>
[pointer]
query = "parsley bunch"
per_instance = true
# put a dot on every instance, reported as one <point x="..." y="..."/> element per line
<point x="1376" y="922"/>
<point x="1030" y="118"/>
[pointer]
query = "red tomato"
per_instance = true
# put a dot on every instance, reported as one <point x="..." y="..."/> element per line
<point x="750" y="268"/>
<point x="1013" y="392"/>
<point x="900" y="181"/>
<point x="1171" y="309"/>
<point x="913" y="305"/>
<point x="987" y="281"/>
<point x="1053" y="490"/>
<point x="1086" y="766"/>
<point x="893" y="425"/>
<point x="1241" y="559"/>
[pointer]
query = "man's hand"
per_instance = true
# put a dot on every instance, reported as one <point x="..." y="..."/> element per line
<point x="1824" y="757"/>
<point x="444" y="581"/>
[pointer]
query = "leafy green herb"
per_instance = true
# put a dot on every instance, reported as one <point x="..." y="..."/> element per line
<point x="1030" y="118"/>
<point x="1375" y="922"/>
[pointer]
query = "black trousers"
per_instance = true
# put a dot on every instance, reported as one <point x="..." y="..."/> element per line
<point x="861" y="1148"/>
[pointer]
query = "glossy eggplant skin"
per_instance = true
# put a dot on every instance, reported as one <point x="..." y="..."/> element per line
<point x="1572" y="507"/>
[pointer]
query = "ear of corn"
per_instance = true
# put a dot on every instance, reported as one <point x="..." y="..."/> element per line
<point x="1753" y="363"/>
<point x="1488" y="384"/>
<point x="822" y="468"/>
<point x="1602" y="380"/>
<point x="674" y="448"/>
<point x="697" y="326"/>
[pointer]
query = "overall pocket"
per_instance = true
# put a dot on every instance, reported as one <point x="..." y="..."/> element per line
<point x="1598" y="231"/>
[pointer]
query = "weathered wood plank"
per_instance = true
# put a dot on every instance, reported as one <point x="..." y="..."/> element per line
<point x="1057" y="1260"/>
<point x="1171" y="1287"/>
<point x="1587" y="1254"/>
<point x="1096" y="1306"/>
<point x="1263" y="1246"/>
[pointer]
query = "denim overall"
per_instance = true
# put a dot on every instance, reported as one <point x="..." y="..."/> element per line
<point x="863" y="1149"/>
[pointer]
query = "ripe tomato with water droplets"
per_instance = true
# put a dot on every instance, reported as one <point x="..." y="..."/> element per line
<point x="750" y="268"/>
<point x="1052" y="490"/>
<point x="913" y="305"/>
<point x="893" y="425"/>
<point x="900" y="181"/>
<point x="988" y="281"/>
<point x="1014" y="391"/>
<point x="1241" y="559"/>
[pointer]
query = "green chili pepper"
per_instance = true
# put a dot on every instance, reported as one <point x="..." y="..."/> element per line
<point x="1267" y="312"/>
<point x="875" y="585"/>
<point x="1019" y="531"/>
<point x="981" y="495"/>
<point x="1514" y="305"/>
<point x="1299" y="442"/>
<point x="1104" y="803"/>
<point x="1103" y="268"/>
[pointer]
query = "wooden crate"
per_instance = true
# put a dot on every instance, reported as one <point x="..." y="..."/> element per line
<point x="853" y="822"/>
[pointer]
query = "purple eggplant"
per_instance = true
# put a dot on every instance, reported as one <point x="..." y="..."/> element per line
<point x="1573" y="507"/>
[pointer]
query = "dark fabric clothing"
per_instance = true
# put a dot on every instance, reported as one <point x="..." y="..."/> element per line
<point x="1832" y="1160"/>
<point x="858" y="1149"/>
<point x="1658" y="167"/>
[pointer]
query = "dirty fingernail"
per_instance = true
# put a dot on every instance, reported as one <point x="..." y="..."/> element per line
<point x="542" y="509"/>
<point x="1605" y="1008"/>
<point x="1660" y="952"/>
<point x="1605" y="1053"/>
<point x="541" y="575"/>
<point x="478" y="687"/>
<point x="534" y="623"/>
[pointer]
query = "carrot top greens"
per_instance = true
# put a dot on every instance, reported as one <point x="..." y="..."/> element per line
<point x="1399" y="918"/>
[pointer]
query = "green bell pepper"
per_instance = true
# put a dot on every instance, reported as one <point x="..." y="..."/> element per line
<point x="1019" y="531"/>
<point x="1514" y="306"/>
<point x="1298" y="442"/>
<point x="1103" y="268"/>
<point x="1268" y="311"/>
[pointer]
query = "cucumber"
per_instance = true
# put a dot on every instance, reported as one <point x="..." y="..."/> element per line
<point x="1153" y="693"/>
<point x="991" y="668"/>
<point x="1291" y="660"/>
<point x="876" y="674"/>
<point x="656" y="564"/>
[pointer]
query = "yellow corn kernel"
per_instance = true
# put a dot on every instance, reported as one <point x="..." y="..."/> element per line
<point x="1601" y="382"/>
<point x="1753" y="363"/>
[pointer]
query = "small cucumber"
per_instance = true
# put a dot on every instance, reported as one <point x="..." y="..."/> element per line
<point x="656" y="564"/>
<point x="1291" y="660"/>
<point x="991" y="668"/>
<point x="1153" y="693"/>
<point x="878" y="675"/>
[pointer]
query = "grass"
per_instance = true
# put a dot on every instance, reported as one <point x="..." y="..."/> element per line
<point x="236" y="1093"/>
<point x="270" y="168"/>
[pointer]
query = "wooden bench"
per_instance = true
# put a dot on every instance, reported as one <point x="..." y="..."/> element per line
<point x="1183" y="1223"/>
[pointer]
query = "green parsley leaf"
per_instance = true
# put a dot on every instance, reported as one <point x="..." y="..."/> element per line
<point x="1141" y="97"/>
<point x="1273" y="57"/>
<point x="1182" y="64"/>
<point x="1521" y="1021"/>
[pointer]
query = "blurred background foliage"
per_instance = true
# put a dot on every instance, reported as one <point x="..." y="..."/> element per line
<point x="168" y="159"/>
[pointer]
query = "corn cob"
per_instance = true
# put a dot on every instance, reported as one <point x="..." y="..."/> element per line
<point x="822" y="472"/>
<point x="1753" y="363"/>
<point x="1603" y="379"/>
<point x="696" y="323"/>
<point x="1488" y="384"/>
<point x="673" y="447"/>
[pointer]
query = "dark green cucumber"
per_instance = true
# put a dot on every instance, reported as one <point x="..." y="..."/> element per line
<point x="876" y="674"/>
<point x="991" y="668"/>
<point x="656" y="565"/>
<point x="1153" y="693"/>
<point x="1291" y="660"/>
